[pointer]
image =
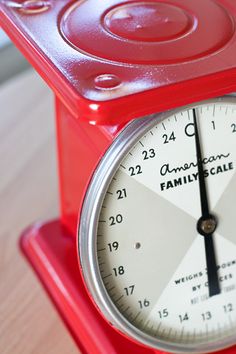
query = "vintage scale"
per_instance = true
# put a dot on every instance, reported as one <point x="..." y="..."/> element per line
<point x="143" y="257"/>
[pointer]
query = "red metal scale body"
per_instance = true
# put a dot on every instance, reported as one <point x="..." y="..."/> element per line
<point x="109" y="62"/>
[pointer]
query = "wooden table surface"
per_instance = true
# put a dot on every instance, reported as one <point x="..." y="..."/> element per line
<point x="28" y="192"/>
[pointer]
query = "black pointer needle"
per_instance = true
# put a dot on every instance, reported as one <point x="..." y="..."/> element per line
<point x="207" y="223"/>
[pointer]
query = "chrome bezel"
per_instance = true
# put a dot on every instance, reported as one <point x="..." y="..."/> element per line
<point x="87" y="233"/>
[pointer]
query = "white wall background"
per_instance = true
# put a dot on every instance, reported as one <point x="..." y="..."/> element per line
<point x="11" y="61"/>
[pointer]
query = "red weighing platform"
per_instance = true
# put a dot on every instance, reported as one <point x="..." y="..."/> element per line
<point x="107" y="69"/>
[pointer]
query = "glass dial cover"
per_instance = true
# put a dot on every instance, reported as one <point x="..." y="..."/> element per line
<point x="142" y="257"/>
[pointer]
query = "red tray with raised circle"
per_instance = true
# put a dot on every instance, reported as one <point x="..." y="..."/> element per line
<point x="95" y="52"/>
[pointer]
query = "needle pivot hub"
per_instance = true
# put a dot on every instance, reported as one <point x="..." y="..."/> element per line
<point x="207" y="226"/>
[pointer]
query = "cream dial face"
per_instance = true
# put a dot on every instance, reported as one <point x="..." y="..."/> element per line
<point x="148" y="255"/>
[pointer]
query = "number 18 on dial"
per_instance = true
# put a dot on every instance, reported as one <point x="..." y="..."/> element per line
<point x="157" y="236"/>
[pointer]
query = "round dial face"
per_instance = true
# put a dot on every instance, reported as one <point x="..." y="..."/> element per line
<point x="157" y="237"/>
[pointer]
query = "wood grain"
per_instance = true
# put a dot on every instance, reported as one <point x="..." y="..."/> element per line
<point x="28" y="192"/>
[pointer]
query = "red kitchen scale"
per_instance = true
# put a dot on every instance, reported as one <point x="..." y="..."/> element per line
<point x="143" y="256"/>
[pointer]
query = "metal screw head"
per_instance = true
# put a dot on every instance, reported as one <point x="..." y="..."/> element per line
<point x="107" y="82"/>
<point x="207" y="226"/>
<point x="35" y="6"/>
<point x="29" y="6"/>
